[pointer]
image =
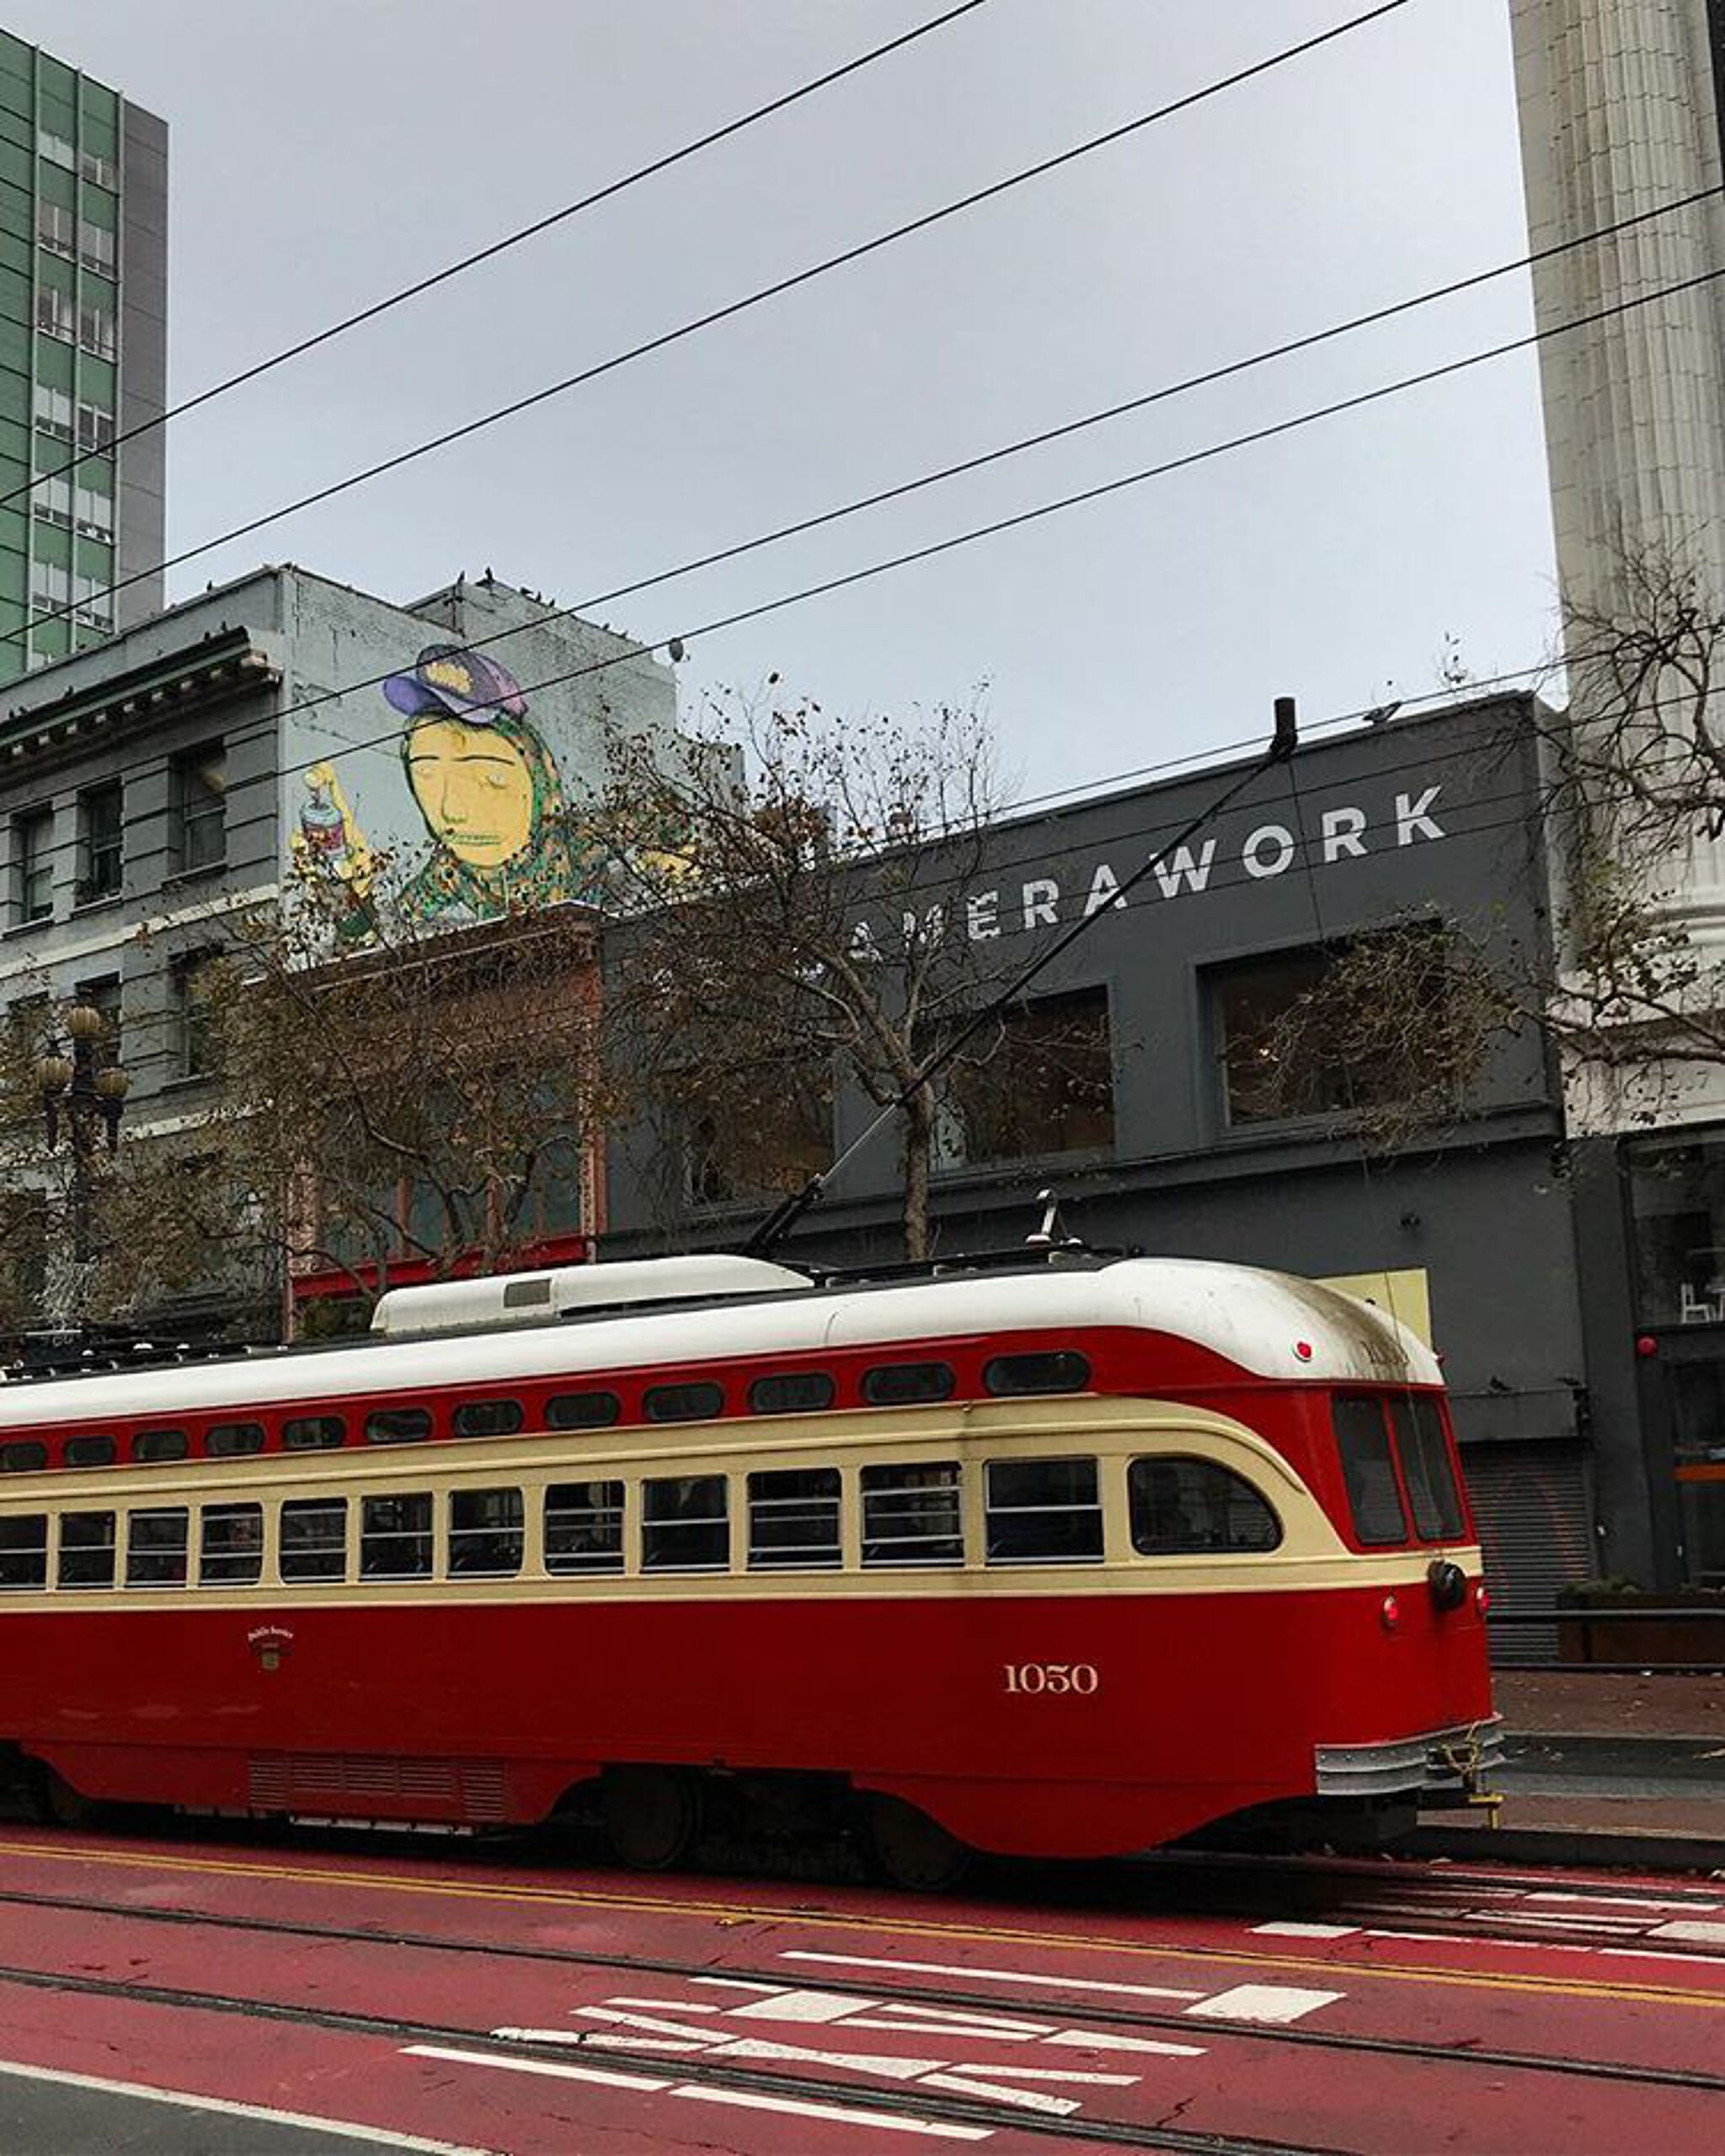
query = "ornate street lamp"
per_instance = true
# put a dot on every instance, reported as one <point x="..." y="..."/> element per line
<point x="80" y="1095"/>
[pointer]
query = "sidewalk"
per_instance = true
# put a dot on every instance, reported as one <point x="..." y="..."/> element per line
<point x="1625" y="1764"/>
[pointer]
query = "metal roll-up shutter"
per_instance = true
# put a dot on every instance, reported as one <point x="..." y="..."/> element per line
<point x="1535" y="1510"/>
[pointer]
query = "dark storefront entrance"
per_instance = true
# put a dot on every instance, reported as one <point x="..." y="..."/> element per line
<point x="1677" y="1199"/>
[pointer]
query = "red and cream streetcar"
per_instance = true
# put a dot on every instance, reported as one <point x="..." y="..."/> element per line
<point x="1067" y="1559"/>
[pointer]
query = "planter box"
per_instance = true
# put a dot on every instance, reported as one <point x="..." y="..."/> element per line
<point x="1608" y="1627"/>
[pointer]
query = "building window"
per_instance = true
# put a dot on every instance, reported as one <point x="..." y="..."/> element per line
<point x="103" y="996"/>
<point x="56" y="312"/>
<point x="56" y="149"/>
<point x="57" y="227"/>
<point x="50" y="502"/>
<point x="1039" y="1080"/>
<point x="95" y="329"/>
<point x="33" y="863"/>
<point x="99" y="813"/>
<point x="53" y="411"/>
<point x="96" y="427"/>
<point x="1283" y="1027"/>
<point x="199" y="803"/>
<point x="194" y="1013"/>
<point x="96" y="247"/>
<point x="92" y="511"/>
<point x="104" y="171"/>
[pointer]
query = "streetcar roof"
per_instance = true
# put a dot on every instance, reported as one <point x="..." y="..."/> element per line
<point x="1272" y="1325"/>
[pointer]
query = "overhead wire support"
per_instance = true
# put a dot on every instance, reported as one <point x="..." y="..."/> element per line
<point x="1284" y="743"/>
<point x="518" y="237"/>
<point x="732" y="309"/>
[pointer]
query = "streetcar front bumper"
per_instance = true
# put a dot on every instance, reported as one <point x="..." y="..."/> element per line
<point x="1437" y="1765"/>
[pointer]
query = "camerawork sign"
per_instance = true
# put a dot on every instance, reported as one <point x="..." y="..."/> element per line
<point x="1061" y="893"/>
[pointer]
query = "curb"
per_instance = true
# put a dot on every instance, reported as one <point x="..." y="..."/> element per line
<point x="1593" y="1846"/>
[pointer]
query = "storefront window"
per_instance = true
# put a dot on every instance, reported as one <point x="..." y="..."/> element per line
<point x="1697" y="1397"/>
<point x="1677" y="1195"/>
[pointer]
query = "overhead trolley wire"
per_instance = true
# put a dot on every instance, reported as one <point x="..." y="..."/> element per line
<point x="1164" y="393"/>
<point x="732" y="309"/>
<point x="510" y="240"/>
<point x="332" y="753"/>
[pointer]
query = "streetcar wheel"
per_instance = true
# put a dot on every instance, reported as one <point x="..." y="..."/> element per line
<point x="57" y="1804"/>
<point x="907" y="1849"/>
<point x="651" y="1816"/>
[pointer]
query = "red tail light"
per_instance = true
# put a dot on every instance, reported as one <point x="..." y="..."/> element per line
<point x="1390" y="1614"/>
<point x="1482" y="1597"/>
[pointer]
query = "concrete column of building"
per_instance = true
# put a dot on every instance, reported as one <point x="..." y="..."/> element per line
<point x="1619" y="114"/>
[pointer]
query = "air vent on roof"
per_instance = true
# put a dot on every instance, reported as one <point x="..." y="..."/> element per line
<point x="535" y="1298"/>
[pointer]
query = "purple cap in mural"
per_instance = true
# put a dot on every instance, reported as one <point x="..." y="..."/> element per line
<point x="463" y="684"/>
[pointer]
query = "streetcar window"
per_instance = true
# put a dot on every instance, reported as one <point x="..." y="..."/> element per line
<point x="1425" y="1467"/>
<point x="582" y="1410"/>
<point x="1182" y="1505"/>
<point x="685" y="1524"/>
<point x="583" y="1525"/>
<point x="682" y="1402"/>
<point x="87" y="1549"/>
<point x="485" y="1532"/>
<point x="487" y="1418"/>
<point x="1060" y="1372"/>
<point x="230" y="1553"/>
<point x="159" y="1444"/>
<point x="314" y="1538"/>
<point x="313" y="1433"/>
<point x="899" y="1384"/>
<point x="792" y="1392"/>
<point x="395" y="1537"/>
<point x="223" y="1440"/>
<point x="911" y="1516"/>
<point x="1045" y="1510"/>
<point x="1369" y="1469"/>
<point x="96" y="1449"/>
<point x="23" y="1551"/>
<point x="155" y="1547"/>
<point x="793" y="1519"/>
<point x="397" y="1426"/>
<point x="22" y="1456"/>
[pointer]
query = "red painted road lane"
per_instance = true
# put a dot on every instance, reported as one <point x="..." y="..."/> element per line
<point x="1508" y="1995"/>
<point x="358" y="2080"/>
<point x="1218" y="2075"/>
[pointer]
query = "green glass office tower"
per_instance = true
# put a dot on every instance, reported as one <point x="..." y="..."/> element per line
<point x="84" y="273"/>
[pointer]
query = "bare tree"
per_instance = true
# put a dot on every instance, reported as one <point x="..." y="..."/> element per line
<point x="792" y="931"/>
<point x="434" y="1097"/>
<point x="1628" y="785"/>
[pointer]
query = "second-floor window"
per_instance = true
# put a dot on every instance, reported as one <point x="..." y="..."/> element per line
<point x="33" y="863"/>
<point x="199" y="808"/>
<point x="193" y="1019"/>
<point x="99" y="811"/>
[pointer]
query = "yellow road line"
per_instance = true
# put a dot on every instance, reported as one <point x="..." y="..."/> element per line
<point x="914" y="1928"/>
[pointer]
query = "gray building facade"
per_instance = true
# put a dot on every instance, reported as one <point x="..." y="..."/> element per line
<point x="83" y="359"/>
<point x="1478" y="1222"/>
<point x="190" y="768"/>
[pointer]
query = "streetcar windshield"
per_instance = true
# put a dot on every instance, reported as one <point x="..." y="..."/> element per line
<point x="1395" y="1457"/>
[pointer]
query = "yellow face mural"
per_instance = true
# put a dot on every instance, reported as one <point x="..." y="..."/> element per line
<point x="474" y="790"/>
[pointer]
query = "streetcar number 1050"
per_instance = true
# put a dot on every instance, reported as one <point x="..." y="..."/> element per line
<point x="1052" y="1676"/>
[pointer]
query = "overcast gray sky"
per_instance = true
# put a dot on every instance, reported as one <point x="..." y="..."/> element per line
<point x="324" y="151"/>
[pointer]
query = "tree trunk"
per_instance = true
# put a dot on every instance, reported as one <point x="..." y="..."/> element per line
<point x="918" y="1128"/>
